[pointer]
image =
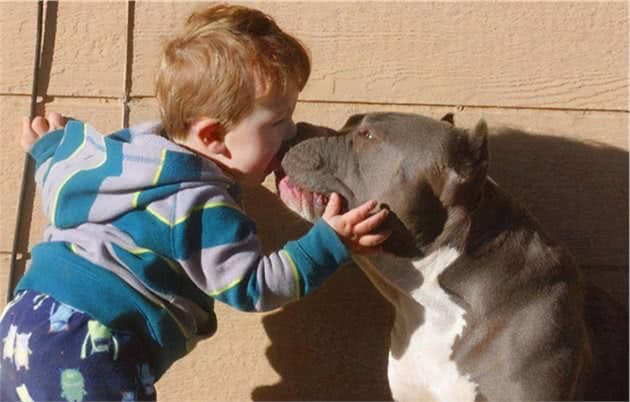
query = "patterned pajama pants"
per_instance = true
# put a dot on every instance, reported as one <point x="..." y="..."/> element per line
<point x="53" y="352"/>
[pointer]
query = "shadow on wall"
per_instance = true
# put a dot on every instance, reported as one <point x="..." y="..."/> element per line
<point x="49" y="36"/>
<point x="333" y="345"/>
<point x="577" y="191"/>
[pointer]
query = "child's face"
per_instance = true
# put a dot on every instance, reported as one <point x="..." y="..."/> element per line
<point x="254" y="143"/>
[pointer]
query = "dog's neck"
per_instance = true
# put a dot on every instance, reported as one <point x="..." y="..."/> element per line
<point x="474" y="228"/>
<point x="497" y="226"/>
<point x="468" y="233"/>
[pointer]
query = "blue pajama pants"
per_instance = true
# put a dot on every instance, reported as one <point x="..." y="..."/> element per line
<point x="53" y="352"/>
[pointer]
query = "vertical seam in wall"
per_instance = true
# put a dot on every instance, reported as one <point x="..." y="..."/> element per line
<point x="131" y="4"/>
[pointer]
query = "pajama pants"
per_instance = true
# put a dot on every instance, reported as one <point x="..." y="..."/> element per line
<point x="53" y="352"/>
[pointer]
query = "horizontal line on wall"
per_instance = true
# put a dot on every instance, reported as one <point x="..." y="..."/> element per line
<point x="458" y="108"/>
<point x="8" y="253"/>
<point x="464" y="107"/>
<point x="50" y="98"/>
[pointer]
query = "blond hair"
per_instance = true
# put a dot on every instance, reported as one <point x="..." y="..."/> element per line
<point x="227" y="58"/>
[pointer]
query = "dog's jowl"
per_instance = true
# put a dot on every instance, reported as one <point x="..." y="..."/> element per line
<point x="487" y="307"/>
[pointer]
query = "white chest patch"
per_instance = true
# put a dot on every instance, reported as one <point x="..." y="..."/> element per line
<point x="425" y="371"/>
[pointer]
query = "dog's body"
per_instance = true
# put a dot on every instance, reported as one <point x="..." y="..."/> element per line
<point x="486" y="306"/>
<point x="478" y="328"/>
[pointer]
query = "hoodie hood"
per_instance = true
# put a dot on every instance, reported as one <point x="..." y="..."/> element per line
<point x="94" y="178"/>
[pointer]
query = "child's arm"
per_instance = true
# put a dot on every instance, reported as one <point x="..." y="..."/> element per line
<point x="217" y="246"/>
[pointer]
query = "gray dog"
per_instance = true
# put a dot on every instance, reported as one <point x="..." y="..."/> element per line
<point x="487" y="307"/>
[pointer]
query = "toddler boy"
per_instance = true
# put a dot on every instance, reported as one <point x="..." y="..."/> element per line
<point x="146" y="225"/>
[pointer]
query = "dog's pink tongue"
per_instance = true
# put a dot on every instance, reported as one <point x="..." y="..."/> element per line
<point x="284" y="186"/>
<point x="289" y="194"/>
<point x="308" y="204"/>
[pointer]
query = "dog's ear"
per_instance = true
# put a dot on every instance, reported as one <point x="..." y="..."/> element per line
<point x="449" y="118"/>
<point x="469" y="166"/>
<point x="352" y="122"/>
<point x="478" y="145"/>
<point x="469" y="151"/>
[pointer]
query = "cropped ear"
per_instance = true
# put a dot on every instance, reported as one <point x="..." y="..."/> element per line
<point x="478" y="144"/>
<point x="352" y="122"/>
<point x="469" y="167"/>
<point x="449" y="118"/>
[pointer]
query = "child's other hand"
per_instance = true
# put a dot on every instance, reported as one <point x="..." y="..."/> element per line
<point x="355" y="226"/>
<point x="33" y="130"/>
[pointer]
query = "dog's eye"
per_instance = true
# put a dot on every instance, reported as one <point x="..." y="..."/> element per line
<point x="366" y="134"/>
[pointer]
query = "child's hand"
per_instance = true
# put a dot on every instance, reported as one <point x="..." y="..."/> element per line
<point x="355" y="226"/>
<point x="32" y="130"/>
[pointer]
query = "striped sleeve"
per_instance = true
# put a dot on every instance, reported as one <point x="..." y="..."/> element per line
<point x="55" y="155"/>
<point x="216" y="244"/>
<point x="45" y="147"/>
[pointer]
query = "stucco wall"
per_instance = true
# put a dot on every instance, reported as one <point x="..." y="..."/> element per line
<point x="555" y="73"/>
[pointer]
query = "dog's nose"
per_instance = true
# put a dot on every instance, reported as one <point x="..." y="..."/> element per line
<point x="284" y="148"/>
<point x="307" y="130"/>
<point x="303" y="126"/>
<point x="304" y="131"/>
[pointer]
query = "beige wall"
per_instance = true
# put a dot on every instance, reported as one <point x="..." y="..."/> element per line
<point x="556" y="74"/>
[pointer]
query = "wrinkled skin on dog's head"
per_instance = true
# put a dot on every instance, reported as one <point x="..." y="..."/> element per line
<point x="416" y="166"/>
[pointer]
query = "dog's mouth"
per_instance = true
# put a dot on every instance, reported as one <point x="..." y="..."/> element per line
<point x="305" y="202"/>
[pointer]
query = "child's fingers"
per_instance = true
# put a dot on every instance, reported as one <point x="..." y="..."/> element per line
<point x="40" y="126"/>
<point x="359" y="213"/>
<point x="333" y="207"/>
<point x="55" y="120"/>
<point x="28" y="136"/>
<point x="372" y="240"/>
<point x="371" y="223"/>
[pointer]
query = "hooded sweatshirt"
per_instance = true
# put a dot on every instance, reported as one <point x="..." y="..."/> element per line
<point x="145" y="234"/>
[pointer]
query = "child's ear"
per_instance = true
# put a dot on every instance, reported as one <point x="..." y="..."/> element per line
<point x="207" y="132"/>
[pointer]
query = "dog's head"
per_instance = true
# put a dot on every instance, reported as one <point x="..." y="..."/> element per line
<point x="416" y="166"/>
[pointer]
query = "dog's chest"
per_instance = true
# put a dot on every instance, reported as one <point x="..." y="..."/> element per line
<point x="425" y="368"/>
